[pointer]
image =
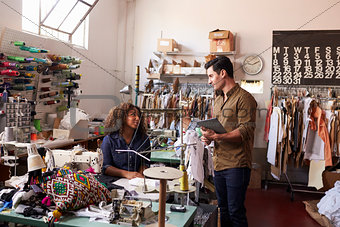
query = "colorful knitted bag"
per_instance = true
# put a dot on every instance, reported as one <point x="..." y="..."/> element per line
<point x="73" y="190"/>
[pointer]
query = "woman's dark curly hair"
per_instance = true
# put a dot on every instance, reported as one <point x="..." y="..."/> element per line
<point x="117" y="117"/>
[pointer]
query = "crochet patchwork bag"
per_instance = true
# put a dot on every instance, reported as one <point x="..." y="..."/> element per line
<point x="73" y="190"/>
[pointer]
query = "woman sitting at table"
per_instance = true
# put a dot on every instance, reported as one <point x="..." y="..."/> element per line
<point x="125" y="129"/>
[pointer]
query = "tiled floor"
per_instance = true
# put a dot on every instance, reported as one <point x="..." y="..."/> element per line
<point x="274" y="208"/>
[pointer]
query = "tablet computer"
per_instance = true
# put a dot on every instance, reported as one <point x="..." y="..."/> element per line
<point x="213" y="124"/>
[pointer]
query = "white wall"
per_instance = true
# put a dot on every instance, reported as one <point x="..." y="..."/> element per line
<point x="10" y="14"/>
<point x="123" y="34"/>
<point x="105" y="58"/>
<point x="189" y="22"/>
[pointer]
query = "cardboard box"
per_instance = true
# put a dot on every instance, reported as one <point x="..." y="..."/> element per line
<point x="193" y="70"/>
<point x="79" y="131"/>
<point x="221" y="41"/>
<point x="153" y="76"/>
<point x="167" y="69"/>
<point x="166" y="45"/>
<point x="329" y="179"/>
<point x="256" y="176"/>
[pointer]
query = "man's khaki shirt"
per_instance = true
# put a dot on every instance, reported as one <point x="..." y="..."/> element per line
<point x="236" y="111"/>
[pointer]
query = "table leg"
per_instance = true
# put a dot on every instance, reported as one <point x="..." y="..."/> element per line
<point x="162" y="200"/>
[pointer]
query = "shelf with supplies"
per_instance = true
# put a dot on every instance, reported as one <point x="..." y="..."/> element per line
<point x="167" y="66"/>
<point x="157" y="76"/>
<point x="198" y="54"/>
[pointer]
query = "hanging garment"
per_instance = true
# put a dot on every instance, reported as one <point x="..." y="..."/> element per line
<point x="319" y="114"/>
<point x="275" y="134"/>
<point x="210" y="161"/>
<point x="194" y="154"/>
<point x="268" y="116"/>
<point x="331" y="122"/>
<point x="314" y="145"/>
<point x="300" y="130"/>
<point x="306" y="119"/>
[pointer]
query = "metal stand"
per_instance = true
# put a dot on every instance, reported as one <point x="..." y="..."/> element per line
<point x="291" y="189"/>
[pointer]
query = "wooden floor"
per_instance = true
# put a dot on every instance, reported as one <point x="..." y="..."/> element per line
<point x="273" y="208"/>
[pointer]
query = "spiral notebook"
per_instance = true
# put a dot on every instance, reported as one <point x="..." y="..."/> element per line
<point x="213" y="124"/>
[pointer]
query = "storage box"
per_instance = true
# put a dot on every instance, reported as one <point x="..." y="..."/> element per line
<point x="79" y="131"/>
<point x="329" y="179"/>
<point x="167" y="69"/>
<point x="166" y="45"/>
<point x="153" y="76"/>
<point x="256" y="176"/>
<point x="221" y="41"/>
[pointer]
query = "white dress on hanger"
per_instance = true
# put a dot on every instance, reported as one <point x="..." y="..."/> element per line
<point x="195" y="155"/>
<point x="275" y="134"/>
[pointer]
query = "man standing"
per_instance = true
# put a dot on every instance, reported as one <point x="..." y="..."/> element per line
<point x="235" y="108"/>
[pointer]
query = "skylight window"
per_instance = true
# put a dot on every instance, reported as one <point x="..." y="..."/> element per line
<point x="63" y="19"/>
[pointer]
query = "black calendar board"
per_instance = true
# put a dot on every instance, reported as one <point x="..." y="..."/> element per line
<point x="306" y="57"/>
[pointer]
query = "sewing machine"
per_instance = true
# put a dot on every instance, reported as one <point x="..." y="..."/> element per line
<point x="132" y="212"/>
<point x="79" y="156"/>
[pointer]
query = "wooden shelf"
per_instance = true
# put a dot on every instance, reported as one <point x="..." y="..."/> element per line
<point x="198" y="54"/>
<point x="183" y="75"/>
<point x="178" y="75"/>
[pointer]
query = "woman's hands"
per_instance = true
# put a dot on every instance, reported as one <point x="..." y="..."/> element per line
<point x="130" y="175"/>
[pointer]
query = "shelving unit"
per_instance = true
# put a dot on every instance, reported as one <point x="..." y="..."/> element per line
<point x="195" y="70"/>
<point x="198" y="54"/>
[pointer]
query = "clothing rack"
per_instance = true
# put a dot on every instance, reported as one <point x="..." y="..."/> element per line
<point x="320" y="93"/>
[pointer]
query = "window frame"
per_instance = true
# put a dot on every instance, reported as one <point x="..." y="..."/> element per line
<point x="70" y="34"/>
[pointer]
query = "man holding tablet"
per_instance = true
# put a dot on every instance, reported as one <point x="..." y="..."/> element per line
<point x="235" y="109"/>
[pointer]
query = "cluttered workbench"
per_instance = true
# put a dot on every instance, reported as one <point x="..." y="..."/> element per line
<point x="174" y="218"/>
<point x="165" y="157"/>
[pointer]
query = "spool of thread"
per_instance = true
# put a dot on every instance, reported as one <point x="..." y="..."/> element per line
<point x="9" y="134"/>
<point x="4" y="96"/>
<point x="34" y="136"/>
<point x="36" y="123"/>
<point x="16" y="58"/>
<point x="51" y="102"/>
<point x="19" y="43"/>
<point x="45" y="80"/>
<point x="53" y="93"/>
<point x="137" y="84"/>
<point x="59" y="67"/>
<point x="9" y="72"/>
<point x="44" y="89"/>
<point x="101" y="130"/>
<point x="30" y="88"/>
<point x="137" y="79"/>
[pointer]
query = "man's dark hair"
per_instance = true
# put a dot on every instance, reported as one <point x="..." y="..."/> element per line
<point x="219" y="63"/>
